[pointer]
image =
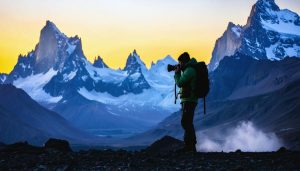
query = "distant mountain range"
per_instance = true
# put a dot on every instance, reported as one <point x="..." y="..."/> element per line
<point x="93" y="96"/>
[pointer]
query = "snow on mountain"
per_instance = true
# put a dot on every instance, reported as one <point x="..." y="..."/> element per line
<point x="158" y="76"/>
<point x="2" y="78"/>
<point x="54" y="55"/>
<point x="104" y="74"/>
<point x="270" y="33"/>
<point x="284" y="21"/>
<point x="135" y="64"/>
<point x="149" y="98"/>
<point x="53" y="49"/>
<point x="148" y="107"/>
<point x="152" y="104"/>
<point x="159" y="95"/>
<point x="23" y="68"/>
<point x="34" y="85"/>
<point x="58" y="75"/>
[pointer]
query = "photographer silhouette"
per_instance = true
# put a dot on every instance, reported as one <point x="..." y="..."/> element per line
<point x="186" y="78"/>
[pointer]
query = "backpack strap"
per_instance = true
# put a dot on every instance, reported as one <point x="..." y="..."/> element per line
<point x="204" y="106"/>
<point x="175" y="94"/>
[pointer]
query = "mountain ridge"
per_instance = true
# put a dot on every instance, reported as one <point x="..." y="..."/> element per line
<point x="56" y="73"/>
<point x="26" y="120"/>
<point x="270" y="33"/>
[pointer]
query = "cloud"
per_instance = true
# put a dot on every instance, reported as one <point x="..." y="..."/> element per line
<point x="245" y="136"/>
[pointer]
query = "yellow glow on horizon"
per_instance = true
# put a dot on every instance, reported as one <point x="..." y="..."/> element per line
<point x="114" y="28"/>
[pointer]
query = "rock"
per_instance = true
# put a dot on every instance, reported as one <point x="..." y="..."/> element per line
<point x="165" y="144"/>
<point x="282" y="150"/>
<point x="61" y="145"/>
<point x="238" y="151"/>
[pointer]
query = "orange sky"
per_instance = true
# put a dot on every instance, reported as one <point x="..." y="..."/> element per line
<point x="113" y="28"/>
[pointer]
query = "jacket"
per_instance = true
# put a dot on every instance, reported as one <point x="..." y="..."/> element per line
<point x="186" y="81"/>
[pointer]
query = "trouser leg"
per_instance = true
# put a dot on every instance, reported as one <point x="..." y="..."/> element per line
<point x="188" y="109"/>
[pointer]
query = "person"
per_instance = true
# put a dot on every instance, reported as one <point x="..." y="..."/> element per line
<point x="185" y="79"/>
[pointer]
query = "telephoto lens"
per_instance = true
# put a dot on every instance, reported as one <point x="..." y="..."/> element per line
<point x="171" y="67"/>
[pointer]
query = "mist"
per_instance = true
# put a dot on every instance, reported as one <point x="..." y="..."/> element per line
<point x="245" y="136"/>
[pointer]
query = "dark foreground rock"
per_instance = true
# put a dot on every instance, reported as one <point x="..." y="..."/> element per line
<point x="166" y="144"/>
<point x="57" y="144"/>
<point x="26" y="157"/>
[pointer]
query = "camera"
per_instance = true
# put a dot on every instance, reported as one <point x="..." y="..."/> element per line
<point x="172" y="67"/>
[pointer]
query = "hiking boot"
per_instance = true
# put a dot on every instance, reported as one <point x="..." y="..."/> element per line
<point x="191" y="149"/>
<point x="187" y="149"/>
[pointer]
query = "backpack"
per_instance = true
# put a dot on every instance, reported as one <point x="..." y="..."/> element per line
<point x="202" y="81"/>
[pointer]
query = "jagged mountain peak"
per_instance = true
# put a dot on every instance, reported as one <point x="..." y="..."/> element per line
<point x="134" y="63"/>
<point x="236" y="29"/>
<point x="99" y="63"/>
<point x="54" y="48"/>
<point x="51" y="26"/>
<point x="134" y="52"/>
<point x="267" y="4"/>
<point x="226" y="45"/>
<point x="262" y="9"/>
<point x="270" y="33"/>
<point x="230" y="25"/>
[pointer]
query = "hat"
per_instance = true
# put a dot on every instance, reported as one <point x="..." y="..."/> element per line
<point x="185" y="57"/>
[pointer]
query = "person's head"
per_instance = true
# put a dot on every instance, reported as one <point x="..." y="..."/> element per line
<point x="183" y="59"/>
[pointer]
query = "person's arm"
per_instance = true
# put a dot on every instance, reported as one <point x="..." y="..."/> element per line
<point x="186" y="76"/>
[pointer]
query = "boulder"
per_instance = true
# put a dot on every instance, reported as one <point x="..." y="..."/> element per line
<point x="165" y="144"/>
<point x="57" y="144"/>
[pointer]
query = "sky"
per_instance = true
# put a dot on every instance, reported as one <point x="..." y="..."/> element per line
<point x="114" y="28"/>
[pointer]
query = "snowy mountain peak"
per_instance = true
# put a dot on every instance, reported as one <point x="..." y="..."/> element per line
<point x="50" y="26"/>
<point x="99" y="63"/>
<point x="54" y="48"/>
<point x="230" y="25"/>
<point x="270" y="33"/>
<point x="236" y="29"/>
<point x="267" y="4"/>
<point x="161" y="65"/>
<point x="168" y="60"/>
<point x="226" y="45"/>
<point x="50" y="47"/>
<point x="263" y="9"/>
<point x="134" y="63"/>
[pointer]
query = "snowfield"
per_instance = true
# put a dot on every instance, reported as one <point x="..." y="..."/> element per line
<point x="34" y="84"/>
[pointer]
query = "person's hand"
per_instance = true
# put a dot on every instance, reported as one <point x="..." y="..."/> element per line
<point x="178" y="69"/>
